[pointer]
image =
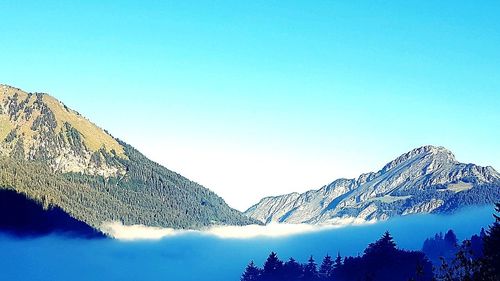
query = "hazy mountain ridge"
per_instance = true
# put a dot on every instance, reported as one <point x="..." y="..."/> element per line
<point x="56" y="157"/>
<point x="423" y="180"/>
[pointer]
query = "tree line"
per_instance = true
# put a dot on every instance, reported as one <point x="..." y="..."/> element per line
<point x="442" y="258"/>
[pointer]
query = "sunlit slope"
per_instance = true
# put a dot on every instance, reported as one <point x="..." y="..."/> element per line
<point x="39" y="127"/>
<point x="57" y="157"/>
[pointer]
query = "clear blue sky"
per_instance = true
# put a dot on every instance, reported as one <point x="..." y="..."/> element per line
<point x="267" y="97"/>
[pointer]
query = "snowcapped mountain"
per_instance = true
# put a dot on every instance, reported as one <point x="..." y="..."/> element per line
<point x="425" y="180"/>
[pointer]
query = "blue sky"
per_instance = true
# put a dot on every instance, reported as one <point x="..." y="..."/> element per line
<point x="267" y="97"/>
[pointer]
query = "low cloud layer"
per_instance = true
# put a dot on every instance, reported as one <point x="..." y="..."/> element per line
<point x="217" y="254"/>
<point x="140" y="232"/>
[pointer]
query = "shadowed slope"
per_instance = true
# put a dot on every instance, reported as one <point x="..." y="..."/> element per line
<point x="24" y="217"/>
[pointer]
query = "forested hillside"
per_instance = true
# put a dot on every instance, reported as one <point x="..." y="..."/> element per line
<point x="58" y="158"/>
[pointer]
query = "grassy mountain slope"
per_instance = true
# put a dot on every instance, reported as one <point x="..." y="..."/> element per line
<point x="56" y="157"/>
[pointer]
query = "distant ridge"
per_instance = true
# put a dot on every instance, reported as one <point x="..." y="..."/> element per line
<point x="427" y="179"/>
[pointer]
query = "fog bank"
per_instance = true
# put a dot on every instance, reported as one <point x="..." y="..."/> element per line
<point x="140" y="232"/>
<point x="207" y="255"/>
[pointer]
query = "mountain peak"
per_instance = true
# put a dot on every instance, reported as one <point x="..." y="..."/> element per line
<point x="437" y="153"/>
<point x="37" y="126"/>
<point x="432" y="149"/>
<point x="425" y="179"/>
<point x="5" y="86"/>
<point x="53" y="157"/>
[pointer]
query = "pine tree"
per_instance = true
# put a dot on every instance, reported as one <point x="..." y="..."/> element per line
<point x="338" y="261"/>
<point x="310" y="270"/>
<point x="273" y="268"/>
<point x="476" y="246"/>
<point x="451" y="238"/>
<point x="383" y="245"/>
<point x="325" y="270"/>
<point x="252" y="273"/>
<point x="470" y="267"/>
<point x="491" y="250"/>
<point x="292" y="270"/>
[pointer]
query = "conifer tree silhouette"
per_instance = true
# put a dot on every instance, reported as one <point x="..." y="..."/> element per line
<point x="384" y="245"/>
<point x="310" y="270"/>
<point x="273" y="268"/>
<point x="326" y="268"/>
<point x="252" y="273"/>
<point x="338" y="261"/>
<point x="491" y="249"/>
<point x="292" y="270"/>
<point x="451" y="238"/>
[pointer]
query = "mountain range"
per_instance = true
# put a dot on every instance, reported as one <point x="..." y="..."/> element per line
<point x="54" y="157"/>
<point x="424" y="180"/>
<point x="61" y="172"/>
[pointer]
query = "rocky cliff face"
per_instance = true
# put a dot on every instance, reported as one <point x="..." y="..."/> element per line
<point x="426" y="179"/>
<point x="39" y="127"/>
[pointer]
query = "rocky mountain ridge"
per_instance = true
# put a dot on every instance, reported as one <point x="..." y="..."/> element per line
<point x="38" y="127"/>
<point x="424" y="180"/>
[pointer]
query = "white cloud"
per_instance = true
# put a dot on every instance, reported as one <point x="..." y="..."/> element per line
<point x="140" y="232"/>
<point x="137" y="232"/>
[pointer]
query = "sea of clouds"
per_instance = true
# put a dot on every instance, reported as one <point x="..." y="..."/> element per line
<point x="219" y="253"/>
<point x="140" y="232"/>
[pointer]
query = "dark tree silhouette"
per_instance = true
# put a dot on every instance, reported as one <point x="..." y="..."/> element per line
<point x="382" y="261"/>
<point x="451" y="238"/>
<point x="476" y="244"/>
<point x="471" y="265"/>
<point x="338" y="261"/>
<point x="293" y="270"/>
<point x="477" y="259"/>
<point x="384" y="245"/>
<point x="491" y="249"/>
<point x="252" y="273"/>
<point x="310" y="270"/>
<point x="463" y="267"/>
<point x="273" y="268"/>
<point x="441" y="247"/>
<point x="326" y="268"/>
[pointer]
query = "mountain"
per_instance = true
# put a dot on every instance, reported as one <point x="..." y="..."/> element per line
<point x="53" y="156"/>
<point x="425" y="180"/>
